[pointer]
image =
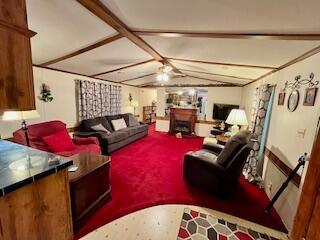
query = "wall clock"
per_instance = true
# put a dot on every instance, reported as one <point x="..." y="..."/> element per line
<point x="293" y="100"/>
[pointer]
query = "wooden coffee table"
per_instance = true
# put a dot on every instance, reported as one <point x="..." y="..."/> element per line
<point x="89" y="185"/>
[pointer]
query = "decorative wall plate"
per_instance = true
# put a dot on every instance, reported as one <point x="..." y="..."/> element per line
<point x="293" y="100"/>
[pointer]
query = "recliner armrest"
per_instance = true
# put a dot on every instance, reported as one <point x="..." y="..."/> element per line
<point x="213" y="147"/>
<point x="89" y="134"/>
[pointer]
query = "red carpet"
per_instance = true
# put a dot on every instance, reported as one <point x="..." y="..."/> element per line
<point x="149" y="172"/>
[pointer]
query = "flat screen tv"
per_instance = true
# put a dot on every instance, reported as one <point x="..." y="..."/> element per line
<point x="221" y="111"/>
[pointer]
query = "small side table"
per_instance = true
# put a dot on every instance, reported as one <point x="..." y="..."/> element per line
<point x="222" y="139"/>
<point x="89" y="185"/>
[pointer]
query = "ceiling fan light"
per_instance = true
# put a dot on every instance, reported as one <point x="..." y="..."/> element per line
<point x="167" y="69"/>
<point x="163" y="77"/>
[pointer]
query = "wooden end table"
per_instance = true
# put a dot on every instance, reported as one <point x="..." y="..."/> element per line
<point x="89" y="185"/>
<point x="222" y="139"/>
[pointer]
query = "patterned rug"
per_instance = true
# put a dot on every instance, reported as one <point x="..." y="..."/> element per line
<point x="200" y="226"/>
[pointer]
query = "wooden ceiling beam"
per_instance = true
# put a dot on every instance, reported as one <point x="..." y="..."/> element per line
<point x="293" y="61"/>
<point x="189" y="85"/>
<point x="84" y="75"/>
<point x="83" y="50"/>
<point x="102" y="12"/>
<point x="135" y="78"/>
<point x="218" y="75"/>
<point x="121" y="68"/>
<point x="220" y="63"/>
<point x="260" y="36"/>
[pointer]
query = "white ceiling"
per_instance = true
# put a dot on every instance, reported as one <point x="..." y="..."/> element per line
<point x="133" y="72"/>
<point x="270" y="53"/>
<point x="64" y="27"/>
<point x="114" y="55"/>
<point x="266" y="16"/>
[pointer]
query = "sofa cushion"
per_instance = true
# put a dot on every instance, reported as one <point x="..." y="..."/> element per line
<point x="233" y="146"/>
<point x="115" y="137"/>
<point x="59" y="141"/>
<point x="100" y="128"/>
<point x="86" y="124"/>
<point x="118" y="124"/>
<point x="132" y="121"/>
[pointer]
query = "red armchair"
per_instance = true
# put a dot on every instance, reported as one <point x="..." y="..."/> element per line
<point x="36" y="133"/>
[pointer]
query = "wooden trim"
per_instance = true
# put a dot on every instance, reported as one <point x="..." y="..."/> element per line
<point x="73" y="129"/>
<point x="121" y="68"/>
<point x="293" y="61"/>
<point x="260" y="36"/>
<point x="135" y="78"/>
<point x="188" y="85"/>
<point x="167" y="118"/>
<point x="223" y="82"/>
<point x="304" y="222"/>
<point x="26" y="32"/>
<point x="284" y="168"/>
<point x="162" y="117"/>
<point x="219" y="75"/>
<point x="84" y="75"/>
<point x="102" y="12"/>
<point x="220" y="63"/>
<point x="83" y="50"/>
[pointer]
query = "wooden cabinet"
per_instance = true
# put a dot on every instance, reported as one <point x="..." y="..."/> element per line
<point x="16" y="77"/>
<point x="149" y="114"/>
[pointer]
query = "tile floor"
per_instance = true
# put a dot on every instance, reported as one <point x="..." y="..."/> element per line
<point x="162" y="223"/>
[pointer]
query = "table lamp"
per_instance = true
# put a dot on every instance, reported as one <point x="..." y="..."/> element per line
<point x="22" y="116"/>
<point x="235" y="118"/>
<point x="135" y="104"/>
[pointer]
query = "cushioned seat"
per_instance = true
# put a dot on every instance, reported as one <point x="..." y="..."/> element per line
<point x="216" y="168"/>
<point x="115" y="137"/>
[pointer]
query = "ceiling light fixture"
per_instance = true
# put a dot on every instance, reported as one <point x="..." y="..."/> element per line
<point x="163" y="77"/>
<point x="163" y="74"/>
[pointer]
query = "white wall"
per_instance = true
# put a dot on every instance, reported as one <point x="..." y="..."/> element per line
<point x="63" y="106"/>
<point x="283" y="138"/>
<point x="146" y="97"/>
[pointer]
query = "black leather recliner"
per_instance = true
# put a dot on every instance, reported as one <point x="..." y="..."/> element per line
<point x="216" y="168"/>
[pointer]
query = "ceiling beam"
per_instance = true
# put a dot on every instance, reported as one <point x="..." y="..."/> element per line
<point x="260" y="36"/>
<point x="121" y="68"/>
<point x="220" y="63"/>
<point x="218" y="75"/>
<point x="293" y="61"/>
<point x="83" y="50"/>
<point x="84" y="75"/>
<point x="189" y="85"/>
<point x="102" y="12"/>
<point x="135" y="78"/>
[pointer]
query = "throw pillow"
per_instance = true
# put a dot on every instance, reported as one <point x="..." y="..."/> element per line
<point x="100" y="128"/>
<point x="133" y="121"/>
<point x="59" y="141"/>
<point x="118" y="124"/>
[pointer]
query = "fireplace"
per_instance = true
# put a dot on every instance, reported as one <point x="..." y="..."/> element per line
<point x="182" y="120"/>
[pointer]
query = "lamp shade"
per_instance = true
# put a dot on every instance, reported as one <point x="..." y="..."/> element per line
<point x="20" y="115"/>
<point x="237" y="117"/>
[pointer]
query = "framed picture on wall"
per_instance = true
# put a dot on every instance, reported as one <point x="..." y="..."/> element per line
<point x="281" y="98"/>
<point x="310" y="96"/>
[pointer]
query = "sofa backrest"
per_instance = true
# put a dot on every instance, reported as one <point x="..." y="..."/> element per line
<point x="85" y="125"/>
<point x="232" y="147"/>
<point x="36" y="132"/>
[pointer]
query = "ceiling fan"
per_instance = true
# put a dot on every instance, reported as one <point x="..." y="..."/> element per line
<point x="165" y="72"/>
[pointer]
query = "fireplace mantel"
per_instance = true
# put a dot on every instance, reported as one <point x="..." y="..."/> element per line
<point x="187" y="117"/>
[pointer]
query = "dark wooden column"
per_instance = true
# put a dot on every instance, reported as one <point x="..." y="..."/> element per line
<point x="16" y="78"/>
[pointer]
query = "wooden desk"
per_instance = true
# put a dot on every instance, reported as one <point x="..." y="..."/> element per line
<point x="89" y="185"/>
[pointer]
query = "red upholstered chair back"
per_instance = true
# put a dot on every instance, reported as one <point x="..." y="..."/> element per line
<point x="36" y="132"/>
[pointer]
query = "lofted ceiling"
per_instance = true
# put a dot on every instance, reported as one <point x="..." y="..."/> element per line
<point x="207" y="42"/>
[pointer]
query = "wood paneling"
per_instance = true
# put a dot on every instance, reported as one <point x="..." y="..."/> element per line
<point x="83" y="50"/>
<point x="16" y="77"/>
<point x="40" y="210"/>
<point x="260" y="36"/>
<point x="284" y="168"/>
<point x="306" y="221"/>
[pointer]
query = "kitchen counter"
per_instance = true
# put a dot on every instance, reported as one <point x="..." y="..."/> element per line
<point x="20" y="165"/>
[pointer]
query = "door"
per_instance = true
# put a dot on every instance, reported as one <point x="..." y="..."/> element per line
<point x="307" y="219"/>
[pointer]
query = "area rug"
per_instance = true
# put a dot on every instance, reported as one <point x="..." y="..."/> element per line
<point x="200" y="226"/>
<point x="149" y="172"/>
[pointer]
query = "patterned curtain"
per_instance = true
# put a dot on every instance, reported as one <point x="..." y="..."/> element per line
<point x="97" y="99"/>
<point x="261" y="109"/>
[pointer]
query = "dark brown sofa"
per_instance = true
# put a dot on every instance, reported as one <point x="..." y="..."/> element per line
<point x="117" y="139"/>
<point x="216" y="168"/>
